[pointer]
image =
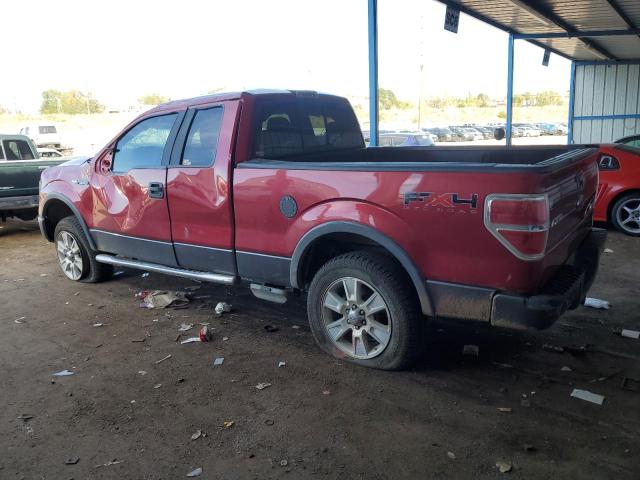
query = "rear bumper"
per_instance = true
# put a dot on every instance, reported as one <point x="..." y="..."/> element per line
<point x="19" y="203"/>
<point x="565" y="291"/>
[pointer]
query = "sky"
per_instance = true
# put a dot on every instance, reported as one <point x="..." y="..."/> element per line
<point x="120" y="50"/>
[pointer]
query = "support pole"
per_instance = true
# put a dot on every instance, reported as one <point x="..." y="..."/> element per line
<point x="572" y="99"/>
<point x="509" y="89"/>
<point x="373" y="73"/>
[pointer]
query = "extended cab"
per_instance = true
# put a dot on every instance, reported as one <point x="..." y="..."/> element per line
<point x="20" y="169"/>
<point x="277" y="189"/>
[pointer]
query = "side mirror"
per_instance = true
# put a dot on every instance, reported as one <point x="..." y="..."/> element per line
<point x="499" y="133"/>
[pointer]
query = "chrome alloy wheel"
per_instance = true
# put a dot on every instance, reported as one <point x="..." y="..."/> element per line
<point x="628" y="215"/>
<point x="356" y="318"/>
<point x="69" y="255"/>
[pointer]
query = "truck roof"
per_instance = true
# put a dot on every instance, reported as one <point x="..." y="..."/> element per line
<point x="221" y="97"/>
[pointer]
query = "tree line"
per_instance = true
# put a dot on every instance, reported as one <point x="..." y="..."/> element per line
<point x="75" y="101"/>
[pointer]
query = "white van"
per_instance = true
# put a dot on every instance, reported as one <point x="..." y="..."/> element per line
<point x="43" y="135"/>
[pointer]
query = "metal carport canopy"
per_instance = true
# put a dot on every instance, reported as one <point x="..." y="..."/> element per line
<point x="579" y="30"/>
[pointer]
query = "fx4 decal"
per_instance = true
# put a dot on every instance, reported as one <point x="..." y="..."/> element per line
<point x="442" y="200"/>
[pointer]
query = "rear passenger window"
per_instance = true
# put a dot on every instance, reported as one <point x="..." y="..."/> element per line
<point x="143" y="145"/>
<point x="18" y="150"/>
<point x="202" y="140"/>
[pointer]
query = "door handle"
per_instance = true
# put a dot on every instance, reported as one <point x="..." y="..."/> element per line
<point x="156" y="190"/>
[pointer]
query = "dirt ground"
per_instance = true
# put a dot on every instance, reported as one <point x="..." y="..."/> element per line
<point x="320" y="417"/>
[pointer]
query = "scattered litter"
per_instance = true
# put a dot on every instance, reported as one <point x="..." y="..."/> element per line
<point x="162" y="299"/>
<point x="132" y="401"/>
<point x="218" y="361"/>
<point x="552" y="348"/>
<point x="565" y="369"/>
<point x="119" y="272"/>
<point x="505" y="409"/>
<point x="196" y="435"/>
<point x="162" y="359"/>
<point x="608" y="250"/>
<point x="96" y="325"/>
<point x="297" y="327"/>
<point x="596" y="303"/>
<point x="631" y="384"/>
<point x="63" y="373"/>
<point x="451" y="455"/>
<point x="222" y="307"/>
<point x="471" y="350"/>
<point x="25" y="417"/>
<point x="110" y="462"/>
<point x="185" y="327"/>
<point x="190" y="340"/>
<point x="19" y="320"/>
<point x="630" y="333"/>
<point x="587" y="396"/>
<point x="76" y="294"/>
<point x="224" y="339"/>
<point x="504" y="467"/>
<point x="195" y="473"/>
<point x="142" y="372"/>
<point x="326" y="392"/>
<point x="269" y="422"/>
<point x="145" y="275"/>
<point x="229" y="424"/>
<point x="205" y="334"/>
<point x="282" y="364"/>
<point x="263" y="385"/>
<point x="284" y="463"/>
<point x="157" y="385"/>
<point x="271" y="328"/>
<point x="72" y="460"/>
<point x="138" y="340"/>
<point x="44" y="274"/>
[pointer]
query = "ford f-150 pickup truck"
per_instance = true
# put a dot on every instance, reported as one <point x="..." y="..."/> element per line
<point x="277" y="189"/>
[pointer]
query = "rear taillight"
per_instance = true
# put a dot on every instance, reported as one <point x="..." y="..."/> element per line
<point x="519" y="222"/>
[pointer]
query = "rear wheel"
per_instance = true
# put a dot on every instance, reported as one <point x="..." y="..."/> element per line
<point x="625" y="214"/>
<point x="76" y="259"/>
<point x="362" y="309"/>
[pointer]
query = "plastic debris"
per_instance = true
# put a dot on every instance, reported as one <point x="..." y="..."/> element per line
<point x="184" y="327"/>
<point x="471" y="350"/>
<point x="326" y="392"/>
<point x="284" y="463"/>
<point x="218" y="361"/>
<point x="25" y="417"/>
<point x="195" y="473"/>
<point x="451" y="455"/>
<point x="162" y="359"/>
<point x="72" y="460"/>
<point x="157" y="385"/>
<point x="162" y="299"/>
<point x="269" y="422"/>
<point x="588" y="396"/>
<point x="205" y="334"/>
<point x="224" y="339"/>
<point x="110" y="462"/>
<point x="297" y="327"/>
<point x="19" y="320"/>
<point x="504" y="467"/>
<point x="505" y="409"/>
<point x="142" y="372"/>
<point x="263" y="385"/>
<point x="196" y="435"/>
<point x="597" y="303"/>
<point x="64" y="373"/>
<point x="222" y="307"/>
<point x="565" y="369"/>
<point x="138" y="340"/>
<point x="608" y="250"/>
<point x="190" y="340"/>
<point x="229" y="424"/>
<point x="282" y="364"/>
<point x="96" y="325"/>
<point x="552" y="348"/>
<point x="630" y="333"/>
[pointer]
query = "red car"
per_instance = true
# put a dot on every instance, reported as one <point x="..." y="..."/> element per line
<point x="277" y="189"/>
<point x="618" y="198"/>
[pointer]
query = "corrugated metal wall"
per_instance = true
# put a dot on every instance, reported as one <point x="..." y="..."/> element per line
<point x="606" y="102"/>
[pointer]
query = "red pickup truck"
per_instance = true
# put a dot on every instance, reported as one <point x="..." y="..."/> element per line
<point x="277" y="189"/>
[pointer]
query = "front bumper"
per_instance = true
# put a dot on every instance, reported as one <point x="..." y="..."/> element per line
<point x="565" y="291"/>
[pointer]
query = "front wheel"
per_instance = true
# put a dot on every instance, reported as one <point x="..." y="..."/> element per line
<point x="625" y="214"/>
<point x="76" y="259"/>
<point x="362" y="309"/>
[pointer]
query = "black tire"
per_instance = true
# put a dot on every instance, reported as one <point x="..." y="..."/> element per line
<point x="405" y="342"/>
<point x="92" y="271"/>
<point x="632" y="229"/>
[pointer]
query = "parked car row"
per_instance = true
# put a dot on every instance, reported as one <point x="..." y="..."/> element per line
<point x="472" y="132"/>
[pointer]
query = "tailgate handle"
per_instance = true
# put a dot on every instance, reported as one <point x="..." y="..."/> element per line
<point x="156" y="190"/>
